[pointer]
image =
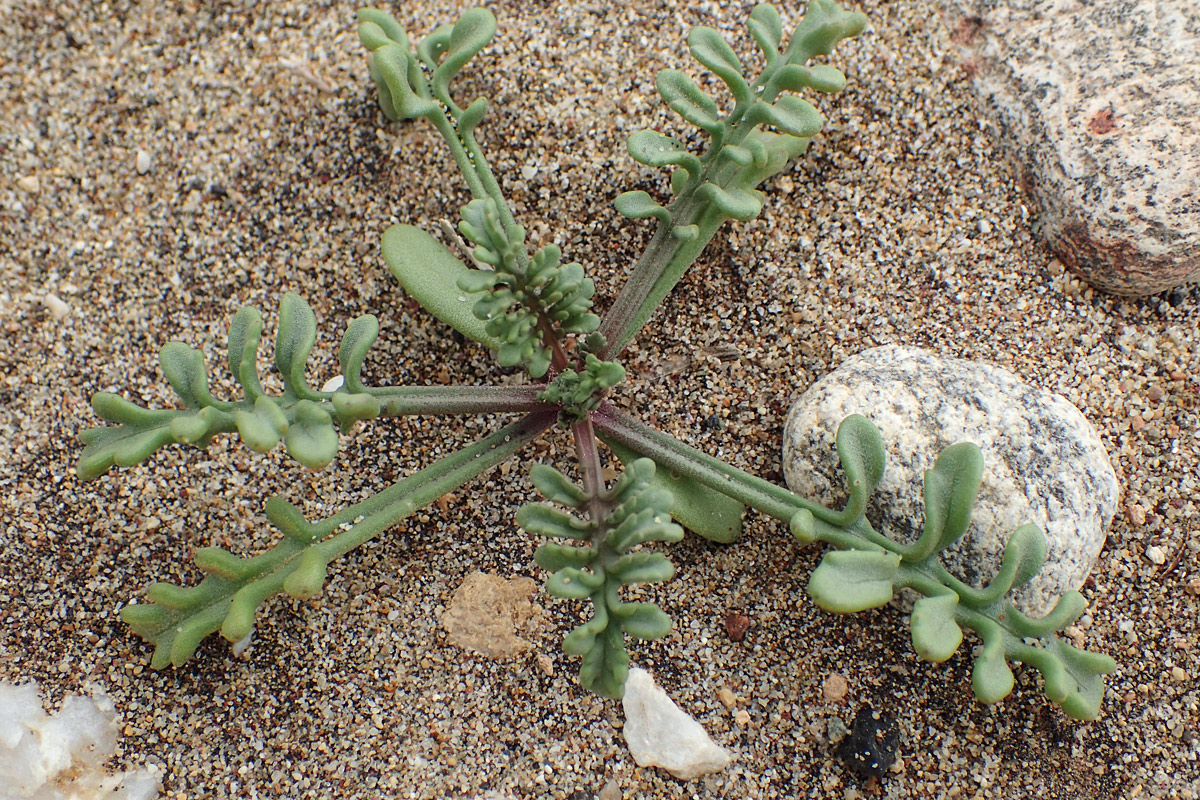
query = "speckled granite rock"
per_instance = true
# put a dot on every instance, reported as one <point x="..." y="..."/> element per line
<point x="1043" y="462"/>
<point x="1100" y="102"/>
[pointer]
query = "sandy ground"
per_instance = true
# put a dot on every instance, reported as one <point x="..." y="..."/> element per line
<point x="271" y="169"/>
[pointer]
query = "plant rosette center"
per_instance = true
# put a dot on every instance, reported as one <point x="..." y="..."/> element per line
<point x="577" y="394"/>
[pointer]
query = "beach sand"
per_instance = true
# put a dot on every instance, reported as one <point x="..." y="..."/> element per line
<point x="268" y="168"/>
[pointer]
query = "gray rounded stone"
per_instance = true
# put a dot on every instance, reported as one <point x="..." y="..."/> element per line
<point x="1043" y="462"/>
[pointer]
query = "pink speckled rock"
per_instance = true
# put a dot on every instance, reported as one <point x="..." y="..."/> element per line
<point x="1100" y="102"/>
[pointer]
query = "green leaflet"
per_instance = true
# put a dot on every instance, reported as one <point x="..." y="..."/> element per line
<point x="359" y="337"/>
<point x="853" y="580"/>
<point x="183" y="368"/>
<point x="950" y="490"/>
<point x="656" y="150"/>
<point x="245" y="331"/>
<point x="377" y="28"/>
<point x="262" y="428"/>
<point x="825" y="24"/>
<point x="548" y="521"/>
<point x="935" y="634"/>
<point x="688" y="100"/>
<point x="1023" y="556"/>
<point x="991" y="677"/>
<point x="767" y="29"/>
<point x="739" y="204"/>
<point x="715" y="516"/>
<point x="1080" y="686"/>
<point x="311" y="439"/>
<point x="860" y="450"/>
<point x="712" y="51"/>
<point x="643" y="568"/>
<point x="555" y="487"/>
<point x="294" y="344"/>
<point x="821" y="78"/>
<point x="791" y="115"/>
<point x="470" y="34"/>
<point x="637" y="205"/>
<point x="429" y="272"/>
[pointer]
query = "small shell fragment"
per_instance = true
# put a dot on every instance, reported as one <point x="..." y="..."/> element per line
<point x="58" y="308"/>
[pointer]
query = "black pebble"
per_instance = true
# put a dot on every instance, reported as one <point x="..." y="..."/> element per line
<point x="870" y="747"/>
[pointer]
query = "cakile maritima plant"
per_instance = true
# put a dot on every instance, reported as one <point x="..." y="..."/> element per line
<point x="535" y="311"/>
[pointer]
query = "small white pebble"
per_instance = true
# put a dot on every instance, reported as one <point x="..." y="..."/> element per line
<point x="144" y="162"/>
<point x="29" y="183"/>
<point x="58" y="308"/>
<point x="1156" y="554"/>
<point x="333" y="384"/>
<point x="242" y="645"/>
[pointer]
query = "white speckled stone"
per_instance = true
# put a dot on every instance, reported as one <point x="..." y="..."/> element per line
<point x="660" y="734"/>
<point x="1099" y="103"/>
<point x="1043" y="462"/>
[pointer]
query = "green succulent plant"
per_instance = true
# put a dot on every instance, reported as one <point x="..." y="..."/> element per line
<point x="535" y="311"/>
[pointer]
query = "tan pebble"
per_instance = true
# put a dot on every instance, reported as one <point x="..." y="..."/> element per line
<point x="545" y="664"/>
<point x="1135" y="513"/>
<point x="835" y="687"/>
<point x="1137" y="422"/>
<point x="726" y="697"/>
<point x="1178" y="675"/>
<point x="58" y="308"/>
<point x="1156" y="554"/>
<point x="742" y="718"/>
<point x="610" y="791"/>
<point x="1193" y="586"/>
<point x="29" y="183"/>
<point x="143" y="162"/>
<point x="1154" y="393"/>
